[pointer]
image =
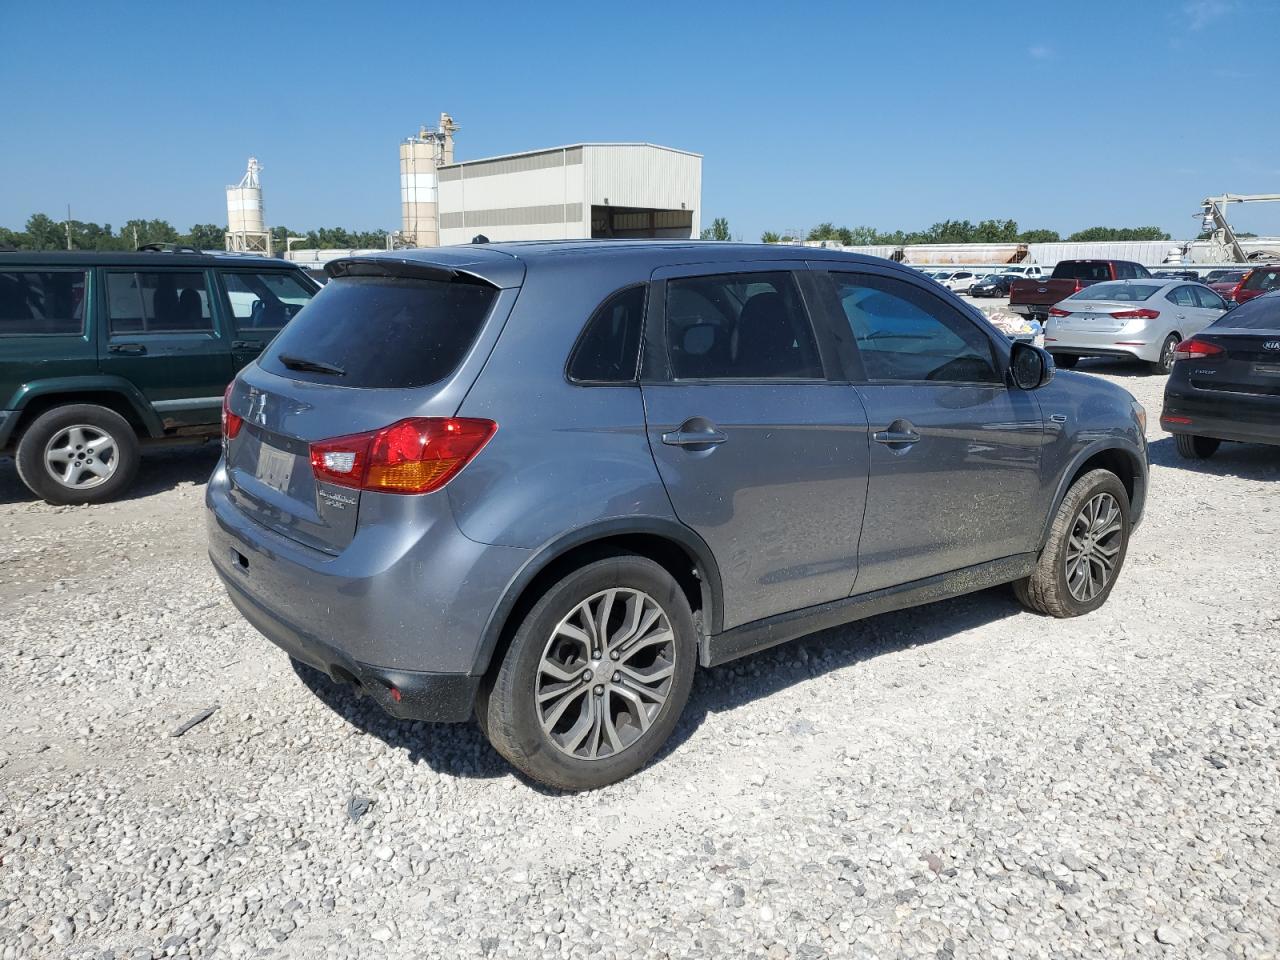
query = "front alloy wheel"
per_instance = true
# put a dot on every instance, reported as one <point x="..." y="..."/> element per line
<point x="1095" y="543"/>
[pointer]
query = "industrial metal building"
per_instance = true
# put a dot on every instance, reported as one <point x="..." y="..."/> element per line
<point x="606" y="190"/>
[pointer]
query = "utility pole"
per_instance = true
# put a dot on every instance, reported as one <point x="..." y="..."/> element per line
<point x="68" y="226"/>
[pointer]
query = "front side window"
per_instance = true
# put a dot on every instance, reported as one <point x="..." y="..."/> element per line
<point x="164" y="302"/>
<point x="904" y="334"/>
<point x="745" y="326"/>
<point x="41" y="303"/>
<point x="609" y="349"/>
<point x="264" y="301"/>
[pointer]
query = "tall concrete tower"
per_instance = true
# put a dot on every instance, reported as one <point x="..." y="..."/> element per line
<point x="420" y="157"/>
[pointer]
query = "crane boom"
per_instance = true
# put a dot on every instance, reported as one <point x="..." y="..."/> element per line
<point x="1215" y="219"/>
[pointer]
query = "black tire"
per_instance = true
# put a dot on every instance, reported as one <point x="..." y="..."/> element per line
<point x="49" y="426"/>
<point x="1196" y="448"/>
<point x="1047" y="590"/>
<point x="507" y="709"/>
<point x="1065" y="360"/>
<point x="1165" y="362"/>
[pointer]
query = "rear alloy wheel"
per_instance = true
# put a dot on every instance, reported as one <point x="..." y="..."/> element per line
<point x="1085" y="550"/>
<point x="1065" y="360"/>
<point x="1165" y="362"/>
<point x="596" y="675"/>
<point x="1196" y="448"/>
<point x="79" y="453"/>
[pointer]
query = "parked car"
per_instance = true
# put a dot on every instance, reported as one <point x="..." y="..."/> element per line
<point x="1034" y="298"/>
<point x="992" y="285"/>
<point x="101" y="353"/>
<point x="957" y="281"/>
<point x="392" y="509"/>
<point x="1260" y="280"/>
<point x="1024" y="270"/>
<point x="1130" y="318"/>
<point x="1225" y="282"/>
<point x="1225" y="383"/>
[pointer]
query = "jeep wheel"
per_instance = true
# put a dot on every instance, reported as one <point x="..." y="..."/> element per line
<point x="1085" y="551"/>
<point x="1196" y="448"/>
<point x="596" y="676"/>
<point x="79" y="453"/>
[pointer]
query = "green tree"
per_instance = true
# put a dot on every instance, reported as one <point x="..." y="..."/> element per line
<point x="770" y="236"/>
<point x="1103" y="234"/>
<point x="206" y="236"/>
<point x="824" y="231"/>
<point x="1039" y="236"/>
<point x="719" y="230"/>
<point x="44" y="233"/>
<point x="137" y="233"/>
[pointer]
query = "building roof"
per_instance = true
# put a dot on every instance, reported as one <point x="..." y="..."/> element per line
<point x="567" y="146"/>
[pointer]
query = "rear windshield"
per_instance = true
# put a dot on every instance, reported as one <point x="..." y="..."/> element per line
<point x="1129" y="292"/>
<point x="1263" y="279"/>
<point x="1260" y="313"/>
<point x="382" y="332"/>
<point x="1082" y="270"/>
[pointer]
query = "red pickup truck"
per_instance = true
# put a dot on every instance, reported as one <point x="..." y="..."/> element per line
<point x="1033" y="298"/>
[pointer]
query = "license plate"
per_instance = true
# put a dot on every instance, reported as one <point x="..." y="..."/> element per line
<point x="275" y="467"/>
<point x="1267" y="369"/>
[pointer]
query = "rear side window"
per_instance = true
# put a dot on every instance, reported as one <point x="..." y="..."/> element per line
<point x="1182" y="296"/>
<point x="40" y="303"/>
<point x="1208" y="299"/>
<point x="745" y="326"/>
<point x="1260" y="279"/>
<point x="609" y="349"/>
<point x="266" y="300"/>
<point x="382" y="331"/>
<point x="166" y="302"/>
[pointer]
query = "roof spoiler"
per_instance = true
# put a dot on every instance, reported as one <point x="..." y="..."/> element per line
<point x="390" y="267"/>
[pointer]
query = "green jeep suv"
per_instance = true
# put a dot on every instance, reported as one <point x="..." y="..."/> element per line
<point x="101" y="353"/>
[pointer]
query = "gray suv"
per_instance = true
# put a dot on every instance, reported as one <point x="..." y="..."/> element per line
<point x="542" y="483"/>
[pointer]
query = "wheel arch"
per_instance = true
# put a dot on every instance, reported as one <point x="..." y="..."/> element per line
<point x="1125" y="462"/>
<point x="675" y="547"/>
<point x="120" y="396"/>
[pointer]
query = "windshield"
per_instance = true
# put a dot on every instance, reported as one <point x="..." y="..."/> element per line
<point x="1123" y="291"/>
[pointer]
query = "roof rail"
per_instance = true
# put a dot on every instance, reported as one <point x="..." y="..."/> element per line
<point x="168" y="248"/>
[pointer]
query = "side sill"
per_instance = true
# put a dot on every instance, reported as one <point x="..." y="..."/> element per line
<point x="771" y="631"/>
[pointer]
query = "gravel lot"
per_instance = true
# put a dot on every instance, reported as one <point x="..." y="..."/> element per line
<point x="959" y="780"/>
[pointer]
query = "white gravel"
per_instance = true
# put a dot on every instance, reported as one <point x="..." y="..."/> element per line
<point x="959" y="780"/>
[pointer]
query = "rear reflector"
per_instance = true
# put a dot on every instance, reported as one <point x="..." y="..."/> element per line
<point x="231" y="423"/>
<point x="1169" y="419"/>
<point x="417" y="455"/>
<point x="1194" y="349"/>
<point x="1146" y="313"/>
<point x="1055" y="312"/>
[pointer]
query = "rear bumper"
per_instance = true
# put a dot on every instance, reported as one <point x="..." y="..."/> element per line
<point x="408" y="694"/>
<point x="1031" y="309"/>
<point x="1081" y="344"/>
<point x="1261" y="425"/>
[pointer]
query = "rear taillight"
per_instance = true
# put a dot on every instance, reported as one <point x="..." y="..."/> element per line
<point x="231" y="423"/>
<point x="1057" y="312"/>
<point x="417" y="455"/>
<point x="1194" y="349"/>
<point x="1146" y="313"/>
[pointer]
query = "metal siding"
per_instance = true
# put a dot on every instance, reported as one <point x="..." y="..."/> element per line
<point x="636" y="175"/>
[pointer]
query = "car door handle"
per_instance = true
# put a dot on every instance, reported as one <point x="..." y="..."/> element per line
<point x="694" y="438"/>
<point x="245" y="344"/>
<point x="128" y="349"/>
<point x="900" y="436"/>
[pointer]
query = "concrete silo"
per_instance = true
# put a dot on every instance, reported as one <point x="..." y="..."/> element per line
<point x="246" y="218"/>
<point x="420" y="157"/>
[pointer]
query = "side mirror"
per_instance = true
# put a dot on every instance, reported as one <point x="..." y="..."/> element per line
<point x="1029" y="366"/>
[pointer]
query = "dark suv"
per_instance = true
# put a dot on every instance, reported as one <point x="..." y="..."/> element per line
<point x="545" y="482"/>
<point x="100" y="352"/>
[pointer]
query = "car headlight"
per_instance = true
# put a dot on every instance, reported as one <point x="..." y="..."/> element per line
<point x="1140" y="414"/>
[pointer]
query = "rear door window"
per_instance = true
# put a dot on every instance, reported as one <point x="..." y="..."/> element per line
<point x="42" y="303"/>
<point x="746" y="326"/>
<point x="265" y="300"/>
<point x="162" y="302"/>
<point x="1208" y="299"/>
<point x="381" y="331"/>
<point x="609" y="349"/>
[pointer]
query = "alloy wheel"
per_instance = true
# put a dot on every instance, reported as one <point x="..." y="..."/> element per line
<point x="81" y="456"/>
<point x="1094" y="546"/>
<point x="605" y="674"/>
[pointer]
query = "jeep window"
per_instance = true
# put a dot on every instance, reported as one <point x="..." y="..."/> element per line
<point x="906" y="334"/>
<point x="266" y="300"/>
<point x="382" y="331"/>
<point x="41" y="303"/>
<point x="609" y="349"/>
<point x="749" y="326"/>
<point x="165" y="302"/>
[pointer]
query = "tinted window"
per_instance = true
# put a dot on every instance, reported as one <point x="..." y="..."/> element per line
<point x="1263" y="279"/>
<point x="1182" y="296"/>
<point x="168" y="302"/>
<point x="41" y="303"/>
<point x="905" y="334"/>
<point x="383" y="331"/>
<point x="1260" y="313"/>
<point x="1128" y="292"/>
<point x="609" y="348"/>
<point x="741" y="326"/>
<point x="1208" y="299"/>
<point x="1082" y="270"/>
<point x="264" y="301"/>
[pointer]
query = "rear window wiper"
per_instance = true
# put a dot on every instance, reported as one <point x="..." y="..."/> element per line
<point x="313" y="366"/>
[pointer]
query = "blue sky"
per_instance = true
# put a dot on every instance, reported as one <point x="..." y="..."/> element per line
<point x="1059" y="115"/>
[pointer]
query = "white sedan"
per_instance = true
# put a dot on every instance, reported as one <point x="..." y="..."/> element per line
<point x="1144" y="319"/>
<point x="958" y="281"/>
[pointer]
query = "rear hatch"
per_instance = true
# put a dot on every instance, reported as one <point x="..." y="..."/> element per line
<point x="1249" y="363"/>
<point x="386" y="339"/>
